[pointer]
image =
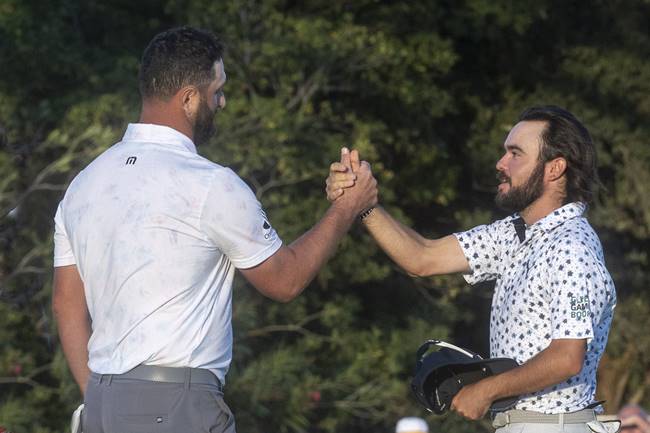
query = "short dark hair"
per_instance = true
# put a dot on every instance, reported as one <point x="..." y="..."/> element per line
<point x="177" y="58"/>
<point x="565" y="136"/>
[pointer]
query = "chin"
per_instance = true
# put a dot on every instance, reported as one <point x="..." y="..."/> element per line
<point x="503" y="188"/>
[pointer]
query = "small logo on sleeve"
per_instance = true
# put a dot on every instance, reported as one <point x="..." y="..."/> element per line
<point x="131" y="160"/>
<point x="268" y="230"/>
<point x="579" y="306"/>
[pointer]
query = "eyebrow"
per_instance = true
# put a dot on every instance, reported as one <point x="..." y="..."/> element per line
<point x="512" y="147"/>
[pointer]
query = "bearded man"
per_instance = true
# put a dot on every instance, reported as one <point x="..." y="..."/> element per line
<point x="146" y="243"/>
<point x="554" y="298"/>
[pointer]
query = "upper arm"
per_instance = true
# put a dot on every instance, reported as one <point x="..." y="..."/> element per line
<point x="63" y="255"/>
<point x="570" y="352"/>
<point x="272" y="276"/>
<point x="443" y="256"/>
<point x="68" y="291"/>
<point x="234" y="221"/>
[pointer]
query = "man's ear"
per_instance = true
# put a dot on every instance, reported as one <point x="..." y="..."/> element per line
<point x="190" y="99"/>
<point x="555" y="169"/>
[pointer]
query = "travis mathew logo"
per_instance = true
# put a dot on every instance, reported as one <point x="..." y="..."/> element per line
<point x="131" y="160"/>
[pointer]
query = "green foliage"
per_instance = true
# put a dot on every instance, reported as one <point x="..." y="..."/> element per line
<point x="426" y="91"/>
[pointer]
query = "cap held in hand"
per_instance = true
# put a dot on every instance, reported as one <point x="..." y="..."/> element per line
<point x="440" y="375"/>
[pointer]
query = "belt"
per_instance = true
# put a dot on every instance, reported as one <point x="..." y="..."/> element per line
<point x="155" y="373"/>
<point x="502" y="419"/>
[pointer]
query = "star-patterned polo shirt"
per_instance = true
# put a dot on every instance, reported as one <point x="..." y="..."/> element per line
<point x="551" y="283"/>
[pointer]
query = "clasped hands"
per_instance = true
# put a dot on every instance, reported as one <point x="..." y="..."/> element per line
<point x="355" y="177"/>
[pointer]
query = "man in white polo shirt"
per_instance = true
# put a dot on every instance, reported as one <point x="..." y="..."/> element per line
<point x="147" y="239"/>
<point x="554" y="298"/>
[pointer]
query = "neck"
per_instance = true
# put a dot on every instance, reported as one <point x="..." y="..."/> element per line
<point x="541" y="207"/>
<point x="166" y="113"/>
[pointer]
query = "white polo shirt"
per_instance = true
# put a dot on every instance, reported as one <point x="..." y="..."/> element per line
<point x="156" y="231"/>
<point x="552" y="285"/>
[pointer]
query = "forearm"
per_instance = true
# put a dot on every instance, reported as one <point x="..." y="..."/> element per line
<point x="285" y="274"/>
<point x="414" y="253"/>
<point x="551" y="366"/>
<point x="311" y="251"/>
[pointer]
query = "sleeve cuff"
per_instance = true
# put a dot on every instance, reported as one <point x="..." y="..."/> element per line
<point x="250" y="262"/>
<point x="64" y="261"/>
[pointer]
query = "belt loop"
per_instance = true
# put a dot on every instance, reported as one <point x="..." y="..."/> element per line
<point x="561" y="417"/>
<point x="110" y="379"/>
<point x="99" y="379"/>
<point x="188" y="377"/>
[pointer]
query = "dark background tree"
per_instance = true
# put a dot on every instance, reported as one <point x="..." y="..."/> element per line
<point x="425" y="90"/>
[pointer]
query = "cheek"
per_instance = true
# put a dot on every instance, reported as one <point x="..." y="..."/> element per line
<point x="520" y="173"/>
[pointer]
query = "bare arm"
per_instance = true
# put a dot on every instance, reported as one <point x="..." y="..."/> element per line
<point x="71" y="315"/>
<point x="286" y="273"/>
<point x="561" y="360"/>
<point x="414" y="253"/>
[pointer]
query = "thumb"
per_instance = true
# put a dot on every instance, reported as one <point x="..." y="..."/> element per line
<point x="354" y="160"/>
<point x="345" y="157"/>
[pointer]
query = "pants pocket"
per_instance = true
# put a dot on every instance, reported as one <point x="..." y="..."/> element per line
<point x="144" y="407"/>
<point x="217" y="416"/>
<point x="143" y="423"/>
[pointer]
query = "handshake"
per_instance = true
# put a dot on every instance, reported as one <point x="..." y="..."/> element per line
<point x="351" y="185"/>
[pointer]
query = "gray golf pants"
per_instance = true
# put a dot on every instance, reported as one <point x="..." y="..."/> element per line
<point x="120" y="405"/>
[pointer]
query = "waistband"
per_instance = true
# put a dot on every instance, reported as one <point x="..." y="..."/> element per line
<point x="155" y="373"/>
<point x="502" y="419"/>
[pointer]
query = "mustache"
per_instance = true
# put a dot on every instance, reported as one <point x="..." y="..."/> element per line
<point x="501" y="177"/>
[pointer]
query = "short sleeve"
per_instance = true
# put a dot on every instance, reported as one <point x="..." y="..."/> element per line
<point x="480" y="246"/>
<point x="233" y="219"/>
<point x="63" y="255"/>
<point x="579" y="293"/>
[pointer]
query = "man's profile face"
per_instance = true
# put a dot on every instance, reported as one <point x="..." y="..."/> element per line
<point x="519" y="171"/>
<point x="212" y="99"/>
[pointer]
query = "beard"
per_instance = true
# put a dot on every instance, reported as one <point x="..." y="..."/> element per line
<point x="518" y="198"/>
<point x="204" y="127"/>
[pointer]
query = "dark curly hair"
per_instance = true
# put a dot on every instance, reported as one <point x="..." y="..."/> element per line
<point x="177" y="58"/>
<point x="564" y="136"/>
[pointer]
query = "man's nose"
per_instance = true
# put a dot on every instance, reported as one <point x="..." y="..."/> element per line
<point x="501" y="164"/>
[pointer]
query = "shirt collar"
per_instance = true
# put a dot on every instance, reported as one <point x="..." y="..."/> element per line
<point x="157" y="134"/>
<point x="558" y="217"/>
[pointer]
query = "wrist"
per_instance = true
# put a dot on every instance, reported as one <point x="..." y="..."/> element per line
<point x="343" y="211"/>
<point x="370" y="217"/>
<point x="366" y="213"/>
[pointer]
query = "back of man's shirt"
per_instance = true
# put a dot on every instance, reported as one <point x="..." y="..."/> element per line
<point x="155" y="230"/>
